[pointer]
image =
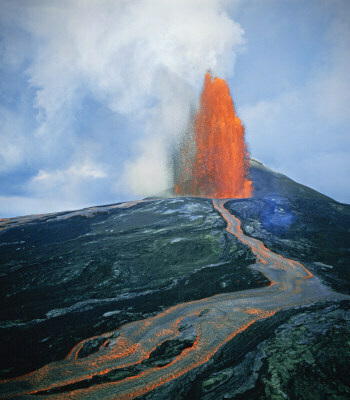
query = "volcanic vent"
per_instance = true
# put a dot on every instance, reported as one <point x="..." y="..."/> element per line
<point x="212" y="158"/>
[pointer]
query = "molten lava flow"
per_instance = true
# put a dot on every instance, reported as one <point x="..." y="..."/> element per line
<point x="214" y="321"/>
<point x="214" y="162"/>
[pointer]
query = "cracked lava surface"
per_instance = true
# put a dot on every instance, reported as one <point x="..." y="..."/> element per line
<point x="214" y="321"/>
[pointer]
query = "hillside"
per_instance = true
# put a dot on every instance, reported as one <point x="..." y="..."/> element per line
<point x="84" y="276"/>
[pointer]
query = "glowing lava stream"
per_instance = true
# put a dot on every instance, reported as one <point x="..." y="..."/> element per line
<point x="216" y="320"/>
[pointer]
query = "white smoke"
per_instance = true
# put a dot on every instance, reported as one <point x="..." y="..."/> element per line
<point x="145" y="59"/>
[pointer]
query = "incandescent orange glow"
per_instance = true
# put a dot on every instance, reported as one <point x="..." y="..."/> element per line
<point x="214" y="320"/>
<point x="218" y="165"/>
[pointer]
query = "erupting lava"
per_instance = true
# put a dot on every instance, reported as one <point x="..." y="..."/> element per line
<point x="213" y="157"/>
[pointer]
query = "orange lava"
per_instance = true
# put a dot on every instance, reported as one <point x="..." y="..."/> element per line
<point x="226" y="316"/>
<point x="218" y="165"/>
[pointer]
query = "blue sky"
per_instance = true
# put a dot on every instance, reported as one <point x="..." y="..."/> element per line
<point x="93" y="93"/>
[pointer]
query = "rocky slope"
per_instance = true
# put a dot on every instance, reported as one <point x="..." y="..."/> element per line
<point x="66" y="277"/>
<point x="69" y="276"/>
<point x="299" y="223"/>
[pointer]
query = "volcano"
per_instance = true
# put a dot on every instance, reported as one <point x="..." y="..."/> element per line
<point x="179" y="298"/>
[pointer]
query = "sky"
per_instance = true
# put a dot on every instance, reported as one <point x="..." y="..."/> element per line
<point x="93" y="93"/>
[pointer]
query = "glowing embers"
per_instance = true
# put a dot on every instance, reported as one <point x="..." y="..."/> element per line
<point x="212" y="160"/>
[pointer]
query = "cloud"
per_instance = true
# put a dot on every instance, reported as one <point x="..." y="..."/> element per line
<point x="81" y="171"/>
<point x="117" y="50"/>
<point x="289" y="135"/>
<point x="11" y="137"/>
<point x="331" y="84"/>
<point x="82" y="181"/>
<point x="69" y="183"/>
<point x="9" y="205"/>
<point x="144" y="59"/>
<point x="303" y="131"/>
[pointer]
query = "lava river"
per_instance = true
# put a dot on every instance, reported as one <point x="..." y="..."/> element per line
<point x="214" y="321"/>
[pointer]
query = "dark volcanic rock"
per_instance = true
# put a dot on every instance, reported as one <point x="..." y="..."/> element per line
<point x="267" y="182"/>
<point x="298" y="222"/>
<point x="300" y="361"/>
<point x="168" y="351"/>
<point x="293" y="355"/>
<point x="312" y="230"/>
<point x="70" y="276"/>
<point x="91" y="347"/>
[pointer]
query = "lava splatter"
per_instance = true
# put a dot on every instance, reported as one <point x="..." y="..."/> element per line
<point x="212" y="160"/>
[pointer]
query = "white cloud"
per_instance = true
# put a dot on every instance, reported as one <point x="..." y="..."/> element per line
<point x="117" y="49"/>
<point x="71" y="183"/>
<point x="290" y="136"/>
<point x="142" y="58"/>
<point x="34" y="205"/>
<point x="330" y="87"/>
<point x="11" y="140"/>
<point x="304" y="132"/>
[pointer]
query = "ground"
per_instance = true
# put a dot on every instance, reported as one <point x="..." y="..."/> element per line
<point x="82" y="277"/>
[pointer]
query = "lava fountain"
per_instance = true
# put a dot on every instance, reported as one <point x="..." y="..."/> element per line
<point x="212" y="160"/>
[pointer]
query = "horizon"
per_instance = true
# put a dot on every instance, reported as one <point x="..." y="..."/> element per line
<point x="156" y="197"/>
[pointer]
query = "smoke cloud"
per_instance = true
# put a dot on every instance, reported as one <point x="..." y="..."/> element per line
<point x="141" y="62"/>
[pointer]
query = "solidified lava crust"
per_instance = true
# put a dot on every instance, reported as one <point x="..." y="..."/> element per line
<point x="149" y="353"/>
